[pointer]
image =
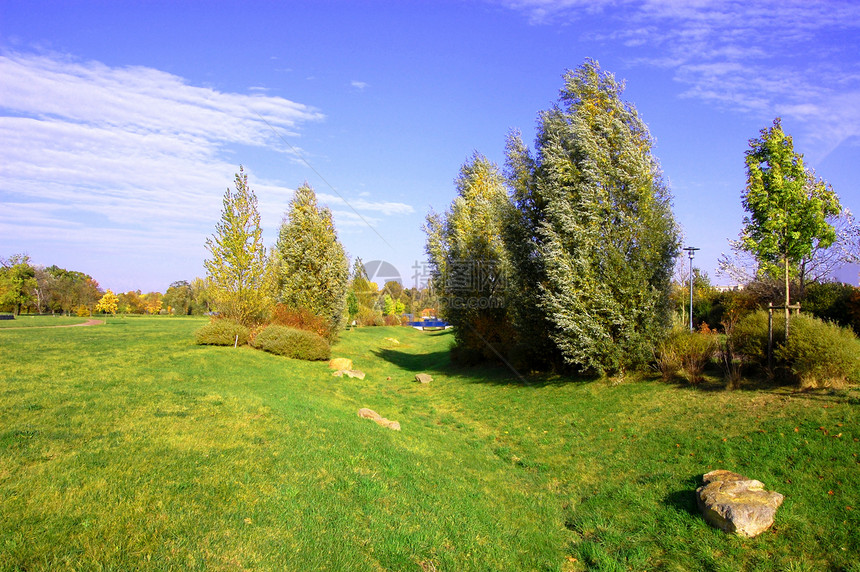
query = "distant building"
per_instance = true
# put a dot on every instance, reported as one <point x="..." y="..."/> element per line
<point x="735" y="288"/>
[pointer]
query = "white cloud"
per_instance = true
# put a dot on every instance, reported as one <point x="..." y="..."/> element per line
<point x="132" y="156"/>
<point x="382" y="207"/>
<point x="359" y="85"/>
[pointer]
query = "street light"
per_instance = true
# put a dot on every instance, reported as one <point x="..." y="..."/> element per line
<point x="691" y="250"/>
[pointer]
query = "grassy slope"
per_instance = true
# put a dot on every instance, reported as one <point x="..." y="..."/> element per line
<point x="126" y="446"/>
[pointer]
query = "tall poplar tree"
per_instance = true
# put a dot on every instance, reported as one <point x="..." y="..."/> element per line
<point x="310" y="264"/>
<point x="467" y="258"/>
<point x="788" y="207"/>
<point x="595" y="232"/>
<point x="237" y="267"/>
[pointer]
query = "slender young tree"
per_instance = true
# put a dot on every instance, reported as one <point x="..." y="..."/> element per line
<point x="310" y="265"/>
<point x="237" y="267"/>
<point x="594" y="240"/>
<point x="788" y="207"/>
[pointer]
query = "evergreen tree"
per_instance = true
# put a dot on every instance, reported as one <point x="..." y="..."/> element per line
<point x="237" y="267"/>
<point x="467" y="259"/>
<point x="311" y="267"/>
<point x="597" y="237"/>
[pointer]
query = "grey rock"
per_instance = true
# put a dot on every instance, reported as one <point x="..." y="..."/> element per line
<point x="737" y="504"/>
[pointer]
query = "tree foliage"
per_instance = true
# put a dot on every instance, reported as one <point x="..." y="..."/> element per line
<point x="468" y="262"/>
<point x="594" y="240"/>
<point x="787" y="206"/>
<point x="179" y="298"/>
<point x="310" y="264"/>
<point x="108" y="303"/>
<point x="237" y="267"/>
<point x="17" y="282"/>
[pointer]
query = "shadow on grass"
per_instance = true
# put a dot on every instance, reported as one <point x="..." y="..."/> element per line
<point x="685" y="500"/>
<point x="488" y="372"/>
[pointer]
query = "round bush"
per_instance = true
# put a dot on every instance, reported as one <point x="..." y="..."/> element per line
<point x="222" y="333"/>
<point x="820" y="353"/>
<point x="293" y="343"/>
<point x="749" y="336"/>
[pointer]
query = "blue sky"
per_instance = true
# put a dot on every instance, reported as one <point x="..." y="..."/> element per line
<point x="122" y="124"/>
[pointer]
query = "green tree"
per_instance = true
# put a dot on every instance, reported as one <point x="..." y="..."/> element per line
<point x="787" y="206"/>
<point x="201" y="298"/>
<point x="310" y="265"/>
<point x="65" y="290"/>
<point x="351" y="305"/>
<point x="595" y="239"/>
<point x="17" y="282"/>
<point x="179" y="298"/>
<point x="467" y="260"/>
<point x="366" y="292"/>
<point x="237" y="268"/>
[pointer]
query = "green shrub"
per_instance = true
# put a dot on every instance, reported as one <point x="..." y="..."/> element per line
<point x="369" y="317"/>
<point x="667" y="360"/>
<point x="749" y="336"/>
<point x="831" y="301"/>
<point x="221" y="332"/>
<point x="820" y="353"/>
<point x="695" y="350"/>
<point x="687" y="351"/>
<point x="293" y="343"/>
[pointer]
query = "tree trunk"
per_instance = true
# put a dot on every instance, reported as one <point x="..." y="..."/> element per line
<point x="787" y="297"/>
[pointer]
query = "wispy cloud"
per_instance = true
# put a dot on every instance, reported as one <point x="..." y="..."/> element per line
<point x="738" y="54"/>
<point x="359" y="85"/>
<point x="386" y="208"/>
<point x="130" y="155"/>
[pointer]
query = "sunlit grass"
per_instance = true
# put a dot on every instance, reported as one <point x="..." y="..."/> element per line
<point x="25" y="321"/>
<point x="126" y="446"/>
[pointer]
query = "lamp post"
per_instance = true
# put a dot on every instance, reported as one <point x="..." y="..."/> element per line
<point x="691" y="250"/>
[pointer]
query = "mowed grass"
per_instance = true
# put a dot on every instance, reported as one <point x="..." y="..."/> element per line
<point x="126" y="446"/>
<point x="26" y="321"/>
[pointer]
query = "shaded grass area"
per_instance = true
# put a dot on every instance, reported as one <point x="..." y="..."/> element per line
<point x="126" y="446"/>
<point x="25" y="321"/>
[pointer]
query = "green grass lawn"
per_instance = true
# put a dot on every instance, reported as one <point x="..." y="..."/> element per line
<point x="26" y="321"/>
<point x="126" y="446"/>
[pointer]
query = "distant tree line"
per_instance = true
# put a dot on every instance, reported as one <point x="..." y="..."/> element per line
<point x="29" y="288"/>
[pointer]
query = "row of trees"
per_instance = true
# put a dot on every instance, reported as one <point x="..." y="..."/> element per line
<point x="25" y="287"/>
<point x="565" y="259"/>
<point x="304" y="280"/>
<point x="307" y="270"/>
<point x="573" y="266"/>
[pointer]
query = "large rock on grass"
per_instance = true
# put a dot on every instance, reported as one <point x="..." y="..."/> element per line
<point x="423" y="378"/>
<point x="379" y="419"/>
<point x="737" y="504"/>
<point x="349" y="373"/>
